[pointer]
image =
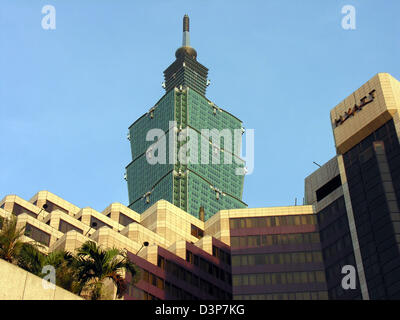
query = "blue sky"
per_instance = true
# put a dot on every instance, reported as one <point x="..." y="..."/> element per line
<point x="68" y="96"/>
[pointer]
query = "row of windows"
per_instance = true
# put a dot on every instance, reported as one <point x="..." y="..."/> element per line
<point x="261" y="279"/>
<point x="335" y="208"/>
<point x="274" y="239"/>
<point x="334" y="272"/>
<point x="191" y="278"/>
<point x="224" y="256"/>
<point x="334" y="249"/>
<point x="338" y="293"/>
<point x="276" y="258"/>
<point x="139" y="294"/>
<point x="152" y="279"/>
<point x="208" y="267"/>
<point x="334" y="228"/>
<point x="387" y="133"/>
<point x="178" y="293"/>
<point x="263" y="222"/>
<point x="315" y="295"/>
<point x="163" y="285"/>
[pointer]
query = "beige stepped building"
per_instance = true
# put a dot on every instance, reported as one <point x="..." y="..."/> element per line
<point x="170" y="234"/>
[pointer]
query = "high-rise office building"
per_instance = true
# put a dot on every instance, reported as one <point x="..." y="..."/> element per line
<point x="200" y="181"/>
<point x="357" y="193"/>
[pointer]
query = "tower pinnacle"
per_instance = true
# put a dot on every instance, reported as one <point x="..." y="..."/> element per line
<point x="186" y="70"/>
<point x="186" y="48"/>
<point x="185" y="23"/>
<point x="186" y="37"/>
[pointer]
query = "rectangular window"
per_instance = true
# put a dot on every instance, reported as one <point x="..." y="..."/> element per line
<point x="237" y="280"/>
<point x="235" y="242"/>
<point x="160" y="283"/>
<point x="320" y="276"/>
<point x="245" y="280"/>
<point x="303" y="277"/>
<point x="267" y="278"/>
<point x="161" y="262"/>
<point x="52" y="207"/>
<point x="329" y="187"/>
<point x="96" y="223"/>
<point x="317" y="257"/>
<point x="125" y="220"/>
<point x="64" y="227"/>
<point x="37" y="234"/>
<point x="196" y="232"/>
<point x="235" y="261"/>
<point x="17" y="210"/>
<point x="289" y="277"/>
<point x="260" y="279"/>
<point x="311" y="276"/>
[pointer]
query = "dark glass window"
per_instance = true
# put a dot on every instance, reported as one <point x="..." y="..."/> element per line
<point x="17" y="210"/>
<point x="161" y="262"/>
<point x="37" y="234"/>
<point x="52" y="206"/>
<point x="125" y="220"/>
<point x="96" y="223"/>
<point x="328" y="188"/>
<point x="196" y="232"/>
<point x="64" y="227"/>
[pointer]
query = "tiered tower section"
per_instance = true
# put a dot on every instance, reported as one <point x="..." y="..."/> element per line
<point x="193" y="184"/>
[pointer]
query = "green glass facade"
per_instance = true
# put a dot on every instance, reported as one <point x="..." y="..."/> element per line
<point x="197" y="182"/>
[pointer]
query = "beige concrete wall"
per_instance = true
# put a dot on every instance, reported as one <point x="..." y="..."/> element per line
<point x="18" y="284"/>
<point x="43" y="196"/>
<point x="218" y="225"/>
<point x="170" y="222"/>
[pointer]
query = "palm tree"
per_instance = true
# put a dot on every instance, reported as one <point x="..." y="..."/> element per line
<point x="95" y="265"/>
<point x="32" y="260"/>
<point x="65" y="264"/>
<point x="10" y="239"/>
<point x="85" y="272"/>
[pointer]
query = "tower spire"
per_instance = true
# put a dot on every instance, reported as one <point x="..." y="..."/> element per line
<point x="185" y="70"/>
<point x="186" y="37"/>
<point x="186" y="48"/>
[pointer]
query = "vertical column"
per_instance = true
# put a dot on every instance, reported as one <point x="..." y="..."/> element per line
<point x="353" y="230"/>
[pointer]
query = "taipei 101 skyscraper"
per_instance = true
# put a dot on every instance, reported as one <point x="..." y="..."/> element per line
<point x="207" y="185"/>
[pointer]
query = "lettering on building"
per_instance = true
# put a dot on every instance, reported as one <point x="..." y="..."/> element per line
<point x="357" y="107"/>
